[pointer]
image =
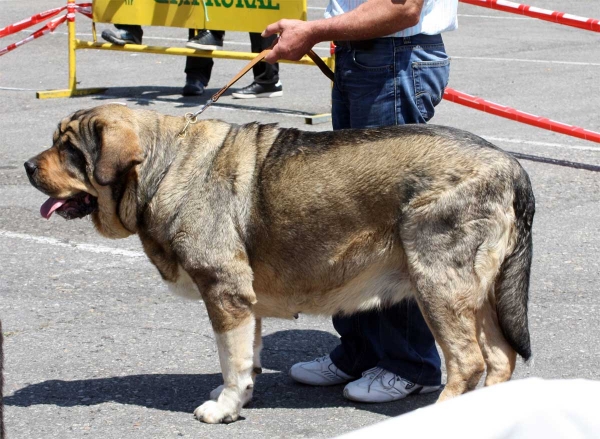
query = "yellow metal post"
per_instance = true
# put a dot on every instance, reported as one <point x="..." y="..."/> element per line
<point x="72" y="55"/>
<point x="72" y="46"/>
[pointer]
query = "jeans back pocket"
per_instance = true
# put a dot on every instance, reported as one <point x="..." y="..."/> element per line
<point x="430" y="79"/>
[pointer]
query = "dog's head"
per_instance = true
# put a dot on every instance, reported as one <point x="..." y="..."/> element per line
<point x="89" y="168"/>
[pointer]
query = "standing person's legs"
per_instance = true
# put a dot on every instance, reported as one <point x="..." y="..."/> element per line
<point x="358" y="102"/>
<point x="197" y="70"/>
<point x="396" y="339"/>
<point x="266" y="76"/>
<point x="264" y="73"/>
<point x="399" y="336"/>
<point x="390" y="83"/>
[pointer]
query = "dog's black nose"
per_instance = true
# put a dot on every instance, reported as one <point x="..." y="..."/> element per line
<point x="30" y="167"/>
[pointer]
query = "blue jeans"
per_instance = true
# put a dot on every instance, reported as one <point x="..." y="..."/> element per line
<point x="388" y="81"/>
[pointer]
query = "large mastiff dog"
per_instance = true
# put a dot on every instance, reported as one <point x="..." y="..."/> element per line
<point x="260" y="221"/>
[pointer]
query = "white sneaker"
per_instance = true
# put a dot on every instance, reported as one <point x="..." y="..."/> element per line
<point x="319" y="372"/>
<point x="379" y="385"/>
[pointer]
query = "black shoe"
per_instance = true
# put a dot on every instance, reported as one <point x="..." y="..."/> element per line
<point x="256" y="90"/>
<point x="205" y="40"/>
<point x="121" y="37"/>
<point x="193" y="87"/>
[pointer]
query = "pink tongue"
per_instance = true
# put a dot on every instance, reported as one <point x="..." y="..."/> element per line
<point x="50" y="206"/>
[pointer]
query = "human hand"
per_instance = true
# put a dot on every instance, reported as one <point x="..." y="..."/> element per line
<point x="295" y="40"/>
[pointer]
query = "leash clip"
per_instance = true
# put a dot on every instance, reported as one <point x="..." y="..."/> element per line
<point x="192" y="118"/>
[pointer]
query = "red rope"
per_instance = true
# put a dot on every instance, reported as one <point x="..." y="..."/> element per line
<point x="519" y="116"/>
<point x="48" y="27"/>
<point x="83" y="8"/>
<point x="28" y="22"/>
<point x="542" y="14"/>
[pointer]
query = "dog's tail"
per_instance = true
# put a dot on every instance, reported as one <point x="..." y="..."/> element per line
<point x="512" y="284"/>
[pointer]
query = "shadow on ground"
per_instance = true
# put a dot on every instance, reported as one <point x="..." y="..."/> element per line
<point x="183" y="393"/>
<point x="146" y="96"/>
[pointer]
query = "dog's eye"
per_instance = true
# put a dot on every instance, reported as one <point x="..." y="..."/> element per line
<point x="72" y="153"/>
<point x="70" y="148"/>
<point x="68" y="145"/>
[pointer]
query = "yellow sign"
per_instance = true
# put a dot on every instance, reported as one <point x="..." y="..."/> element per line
<point x="232" y="15"/>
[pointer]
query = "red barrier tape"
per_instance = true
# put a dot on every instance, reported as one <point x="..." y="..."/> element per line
<point x="542" y="14"/>
<point x="28" y="22"/>
<point x="519" y="116"/>
<point x="83" y="8"/>
<point x="49" y="27"/>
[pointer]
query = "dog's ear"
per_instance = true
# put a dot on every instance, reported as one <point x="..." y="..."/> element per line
<point x="119" y="151"/>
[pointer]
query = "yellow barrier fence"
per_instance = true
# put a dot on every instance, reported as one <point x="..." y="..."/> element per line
<point x="227" y="15"/>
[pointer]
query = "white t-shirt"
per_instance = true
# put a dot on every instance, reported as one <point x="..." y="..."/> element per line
<point x="437" y="16"/>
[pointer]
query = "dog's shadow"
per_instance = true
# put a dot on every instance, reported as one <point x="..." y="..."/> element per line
<point x="183" y="393"/>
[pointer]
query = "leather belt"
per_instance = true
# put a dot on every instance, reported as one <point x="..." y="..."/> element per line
<point x="356" y="45"/>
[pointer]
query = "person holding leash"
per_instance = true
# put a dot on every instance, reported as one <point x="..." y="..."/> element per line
<point x="391" y="68"/>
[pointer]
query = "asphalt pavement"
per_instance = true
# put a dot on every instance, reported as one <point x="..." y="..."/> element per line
<point x="95" y="345"/>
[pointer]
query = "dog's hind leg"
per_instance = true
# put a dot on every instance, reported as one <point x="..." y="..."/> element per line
<point x="500" y="357"/>
<point x="456" y="242"/>
<point x="449" y="293"/>
<point x="455" y="329"/>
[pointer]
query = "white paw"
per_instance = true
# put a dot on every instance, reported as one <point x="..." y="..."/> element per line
<point x="213" y="412"/>
<point x="246" y="396"/>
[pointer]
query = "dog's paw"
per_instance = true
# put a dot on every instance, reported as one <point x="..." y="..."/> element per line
<point x="213" y="412"/>
<point x="246" y="396"/>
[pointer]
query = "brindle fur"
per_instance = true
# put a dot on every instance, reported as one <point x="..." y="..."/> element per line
<point x="260" y="221"/>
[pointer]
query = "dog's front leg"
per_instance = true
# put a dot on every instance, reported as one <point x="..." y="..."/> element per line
<point x="256" y="367"/>
<point x="230" y="310"/>
<point x="235" y="356"/>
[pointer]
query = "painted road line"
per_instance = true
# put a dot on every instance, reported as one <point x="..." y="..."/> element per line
<point x="90" y="248"/>
<point x="539" y="61"/>
<point x="544" y="144"/>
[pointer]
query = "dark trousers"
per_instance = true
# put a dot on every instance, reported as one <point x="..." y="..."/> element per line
<point x="201" y="68"/>
<point x="391" y="81"/>
<point x="264" y="73"/>
<point x="396" y="339"/>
